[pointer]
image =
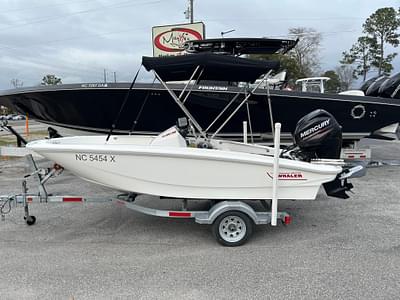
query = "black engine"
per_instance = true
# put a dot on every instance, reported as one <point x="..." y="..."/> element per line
<point x="318" y="135"/>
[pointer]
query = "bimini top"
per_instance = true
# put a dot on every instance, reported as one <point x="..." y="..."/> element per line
<point x="239" y="46"/>
<point x="213" y="66"/>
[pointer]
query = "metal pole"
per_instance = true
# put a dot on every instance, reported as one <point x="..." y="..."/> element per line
<point x="243" y="102"/>
<point x="274" y="206"/>
<point x="191" y="10"/>
<point x="181" y="105"/>
<point x="271" y="117"/>
<point x="249" y="118"/>
<point x="245" y="132"/>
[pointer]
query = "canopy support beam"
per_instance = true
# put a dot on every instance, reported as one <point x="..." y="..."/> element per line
<point x="181" y="105"/>
<point x="241" y="104"/>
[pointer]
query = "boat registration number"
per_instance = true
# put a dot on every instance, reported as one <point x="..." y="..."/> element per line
<point x="107" y="158"/>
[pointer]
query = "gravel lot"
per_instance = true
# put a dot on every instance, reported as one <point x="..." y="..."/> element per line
<point x="334" y="249"/>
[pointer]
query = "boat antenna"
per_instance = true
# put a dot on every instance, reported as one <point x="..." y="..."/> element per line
<point x="123" y="104"/>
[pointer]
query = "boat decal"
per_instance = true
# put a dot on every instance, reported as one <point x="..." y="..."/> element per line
<point x="358" y="111"/>
<point x="315" y="128"/>
<point x="212" y="88"/>
<point x="168" y="134"/>
<point x="94" y="85"/>
<point x="88" y="157"/>
<point x="288" y="176"/>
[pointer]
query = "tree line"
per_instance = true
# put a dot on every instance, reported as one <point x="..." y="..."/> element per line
<point x="369" y="53"/>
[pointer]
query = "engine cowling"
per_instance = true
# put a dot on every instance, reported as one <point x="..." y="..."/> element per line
<point x="318" y="135"/>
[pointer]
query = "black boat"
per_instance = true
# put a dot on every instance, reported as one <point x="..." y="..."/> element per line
<point x="93" y="107"/>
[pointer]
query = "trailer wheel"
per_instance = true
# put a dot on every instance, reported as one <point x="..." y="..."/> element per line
<point x="30" y="220"/>
<point x="232" y="228"/>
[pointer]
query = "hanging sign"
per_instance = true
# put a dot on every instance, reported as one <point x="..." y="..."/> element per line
<point x="169" y="40"/>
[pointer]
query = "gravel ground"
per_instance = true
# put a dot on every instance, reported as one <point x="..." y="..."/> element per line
<point x="334" y="249"/>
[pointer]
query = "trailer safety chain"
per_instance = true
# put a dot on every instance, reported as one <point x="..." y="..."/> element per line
<point x="5" y="206"/>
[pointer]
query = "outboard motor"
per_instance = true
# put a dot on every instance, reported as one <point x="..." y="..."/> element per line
<point x="318" y="135"/>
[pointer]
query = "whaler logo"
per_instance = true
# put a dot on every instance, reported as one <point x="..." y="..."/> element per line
<point x="288" y="176"/>
<point x="174" y="39"/>
<point x="315" y="128"/>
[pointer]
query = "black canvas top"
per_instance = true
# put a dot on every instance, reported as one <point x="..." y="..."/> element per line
<point x="215" y="67"/>
<point x="239" y="46"/>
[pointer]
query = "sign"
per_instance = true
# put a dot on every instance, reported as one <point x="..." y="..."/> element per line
<point x="169" y="40"/>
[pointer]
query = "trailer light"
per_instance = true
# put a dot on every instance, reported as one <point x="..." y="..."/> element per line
<point x="287" y="220"/>
<point x="72" y="199"/>
<point x="179" y="214"/>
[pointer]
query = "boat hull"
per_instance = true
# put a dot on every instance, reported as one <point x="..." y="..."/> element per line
<point x="132" y="164"/>
<point x="149" y="109"/>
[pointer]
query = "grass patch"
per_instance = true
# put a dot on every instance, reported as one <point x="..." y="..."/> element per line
<point x="7" y="141"/>
<point x="11" y="141"/>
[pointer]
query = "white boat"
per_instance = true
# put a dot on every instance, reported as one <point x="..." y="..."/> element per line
<point x="197" y="166"/>
<point x="167" y="166"/>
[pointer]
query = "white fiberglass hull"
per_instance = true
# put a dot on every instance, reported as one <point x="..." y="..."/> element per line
<point x="133" y="164"/>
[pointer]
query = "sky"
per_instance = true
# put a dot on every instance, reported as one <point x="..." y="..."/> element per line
<point x="77" y="39"/>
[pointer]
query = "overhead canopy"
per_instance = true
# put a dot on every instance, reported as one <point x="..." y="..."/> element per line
<point x="214" y="66"/>
<point x="239" y="46"/>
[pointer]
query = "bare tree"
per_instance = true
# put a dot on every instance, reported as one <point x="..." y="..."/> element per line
<point x="346" y="76"/>
<point x="306" y="51"/>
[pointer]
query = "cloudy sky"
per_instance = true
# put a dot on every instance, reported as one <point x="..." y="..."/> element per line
<point x="77" y="39"/>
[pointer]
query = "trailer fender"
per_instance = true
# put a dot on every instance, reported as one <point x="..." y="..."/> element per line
<point x="224" y="206"/>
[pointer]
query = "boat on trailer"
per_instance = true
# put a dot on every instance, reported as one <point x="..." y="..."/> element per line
<point x="185" y="161"/>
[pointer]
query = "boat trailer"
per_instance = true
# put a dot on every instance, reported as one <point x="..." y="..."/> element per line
<point x="232" y="221"/>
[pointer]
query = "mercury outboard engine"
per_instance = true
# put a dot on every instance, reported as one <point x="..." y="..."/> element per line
<point x="319" y="136"/>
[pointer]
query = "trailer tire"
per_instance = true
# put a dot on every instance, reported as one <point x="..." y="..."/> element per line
<point x="30" y="220"/>
<point x="232" y="228"/>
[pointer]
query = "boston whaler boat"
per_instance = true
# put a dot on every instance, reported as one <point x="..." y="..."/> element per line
<point x="186" y="162"/>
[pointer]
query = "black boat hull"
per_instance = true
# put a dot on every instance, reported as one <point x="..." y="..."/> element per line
<point x="150" y="109"/>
